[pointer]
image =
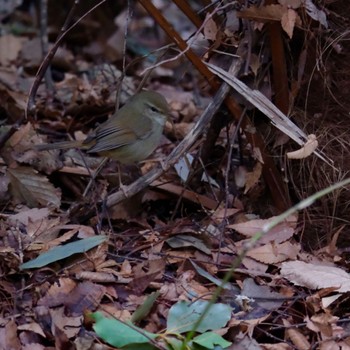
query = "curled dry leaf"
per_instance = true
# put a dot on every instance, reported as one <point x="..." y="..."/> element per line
<point x="97" y="277"/>
<point x="309" y="147"/>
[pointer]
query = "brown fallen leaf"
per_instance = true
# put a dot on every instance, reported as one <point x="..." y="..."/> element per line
<point x="278" y="234"/>
<point x="316" y="276"/>
<point x="275" y="253"/>
<point x="10" y="46"/>
<point x="8" y="336"/>
<point x="27" y="186"/>
<point x="288" y="21"/>
<point x="296" y="337"/>
<point x="210" y="29"/>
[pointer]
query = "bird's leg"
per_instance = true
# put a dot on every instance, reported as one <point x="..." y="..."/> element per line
<point x="121" y="186"/>
<point x="94" y="175"/>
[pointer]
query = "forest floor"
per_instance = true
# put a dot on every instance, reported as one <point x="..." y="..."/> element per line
<point x="205" y="246"/>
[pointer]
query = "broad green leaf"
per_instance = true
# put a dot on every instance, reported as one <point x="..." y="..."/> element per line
<point x="184" y="315"/>
<point x="119" y="334"/>
<point x="210" y="339"/>
<point x="64" y="251"/>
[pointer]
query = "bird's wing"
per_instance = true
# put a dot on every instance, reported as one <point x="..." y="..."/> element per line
<point x="113" y="134"/>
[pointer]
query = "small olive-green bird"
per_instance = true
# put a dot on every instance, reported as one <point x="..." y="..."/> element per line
<point x="130" y="135"/>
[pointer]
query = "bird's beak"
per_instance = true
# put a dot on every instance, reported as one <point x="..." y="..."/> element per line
<point x="169" y="120"/>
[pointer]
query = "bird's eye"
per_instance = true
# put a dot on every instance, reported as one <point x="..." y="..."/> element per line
<point x="154" y="109"/>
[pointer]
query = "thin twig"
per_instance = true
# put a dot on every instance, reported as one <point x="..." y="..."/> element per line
<point x="45" y="42"/>
<point x="232" y="140"/>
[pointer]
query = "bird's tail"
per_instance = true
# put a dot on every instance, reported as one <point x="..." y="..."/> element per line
<point x="58" y="145"/>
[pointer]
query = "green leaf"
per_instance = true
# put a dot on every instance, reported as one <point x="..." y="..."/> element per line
<point x="119" y="334"/>
<point x="143" y="310"/>
<point x="211" y="278"/>
<point x="184" y="315"/>
<point x="180" y="241"/>
<point x="210" y="339"/>
<point x="174" y="343"/>
<point x="64" y="251"/>
<point x="143" y="346"/>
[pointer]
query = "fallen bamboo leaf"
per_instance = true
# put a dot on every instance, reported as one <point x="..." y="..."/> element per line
<point x="64" y="251"/>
